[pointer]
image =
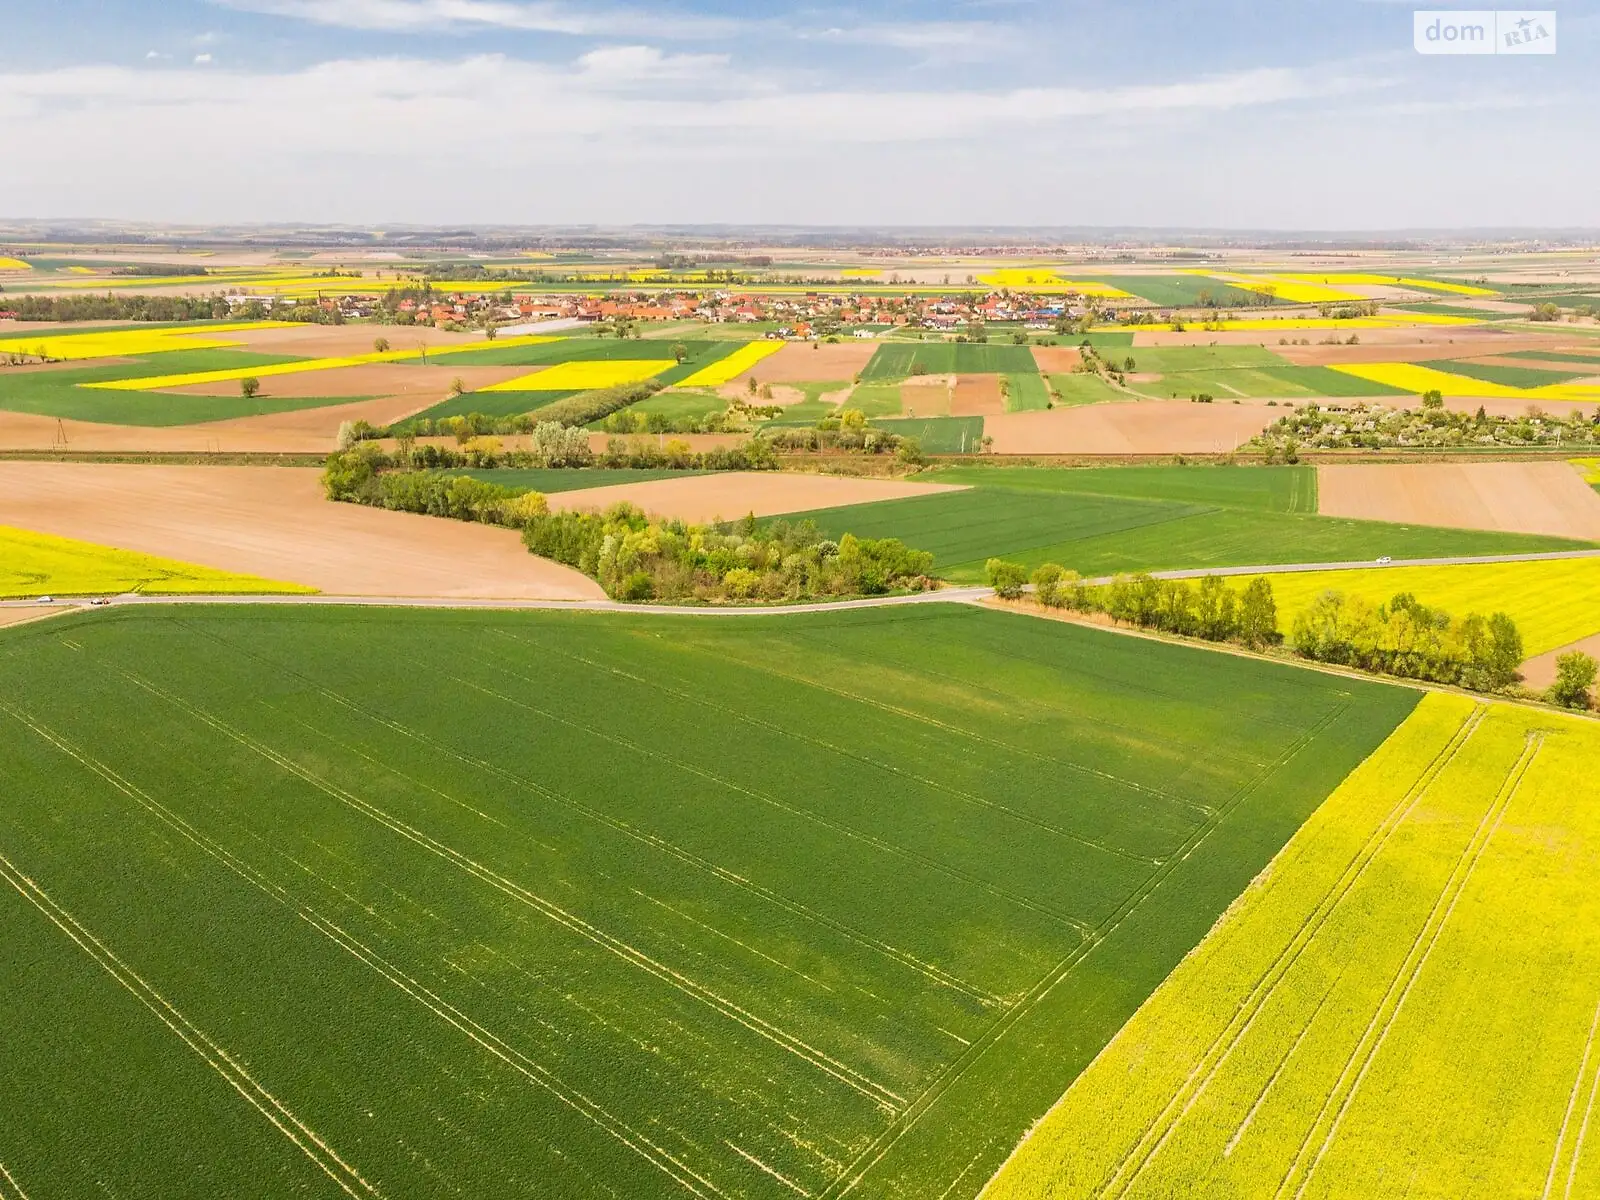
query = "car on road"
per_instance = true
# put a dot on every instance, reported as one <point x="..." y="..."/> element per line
<point x="1384" y="561"/>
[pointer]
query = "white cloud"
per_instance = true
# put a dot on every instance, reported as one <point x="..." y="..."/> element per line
<point x="633" y="64"/>
<point x="530" y="16"/>
<point x="201" y="60"/>
<point x="153" y="54"/>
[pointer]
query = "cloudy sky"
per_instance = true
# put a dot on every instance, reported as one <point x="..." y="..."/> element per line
<point x="1277" y="114"/>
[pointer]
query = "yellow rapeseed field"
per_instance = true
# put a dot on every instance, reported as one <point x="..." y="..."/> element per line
<point x="14" y="264"/>
<point x="1044" y="278"/>
<point x="128" y="343"/>
<point x="1414" y="377"/>
<point x="1291" y="289"/>
<point x="1553" y="601"/>
<point x="1590" y="468"/>
<point x="41" y="564"/>
<point x="1269" y="327"/>
<point x="582" y="376"/>
<point x="154" y="383"/>
<point x="741" y="360"/>
<point x="1402" y="1003"/>
<point x="1456" y="289"/>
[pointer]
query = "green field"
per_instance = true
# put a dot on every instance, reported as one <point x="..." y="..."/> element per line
<point x="897" y="360"/>
<point x="1404" y="1005"/>
<point x="490" y="404"/>
<point x="680" y="404"/>
<point x="1026" y="392"/>
<point x="938" y="435"/>
<point x="1324" y="381"/>
<point x="582" y="349"/>
<point x="1592" y="361"/>
<point x="1267" y="489"/>
<point x="1102" y="534"/>
<point x="1083" y="387"/>
<point x="571" y="479"/>
<point x="1240" y="371"/>
<point x="54" y="393"/>
<point x="1521" y="377"/>
<point x="874" y="399"/>
<point x="1182" y="291"/>
<point x="576" y="905"/>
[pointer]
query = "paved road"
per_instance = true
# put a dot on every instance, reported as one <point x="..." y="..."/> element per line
<point x="951" y="595"/>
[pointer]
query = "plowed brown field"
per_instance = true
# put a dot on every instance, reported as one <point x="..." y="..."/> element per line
<point x="1535" y="497"/>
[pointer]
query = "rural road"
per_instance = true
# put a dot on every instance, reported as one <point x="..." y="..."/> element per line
<point x="951" y="595"/>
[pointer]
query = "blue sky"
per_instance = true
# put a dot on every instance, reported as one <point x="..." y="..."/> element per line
<point x="1294" y="114"/>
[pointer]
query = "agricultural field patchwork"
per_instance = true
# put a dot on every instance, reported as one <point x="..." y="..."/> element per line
<point x="1416" y="378"/>
<point x="584" y="376"/>
<point x="745" y="358"/>
<point x="41" y="564"/>
<point x="1104" y="534"/>
<point x="612" y="905"/>
<point x="938" y="435"/>
<point x="1026" y="391"/>
<point x="898" y="360"/>
<point x="1404" y="1003"/>
<point x="1554" y="602"/>
<point x="122" y="342"/>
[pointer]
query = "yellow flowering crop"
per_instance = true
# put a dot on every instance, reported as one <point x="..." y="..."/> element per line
<point x="1415" y="377"/>
<point x="1590" y="468"/>
<point x="582" y="376"/>
<point x="14" y="264"/>
<point x="41" y="564"/>
<point x="741" y="360"/>
<point x="1456" y="289"/>
<point x="1553" y="601"/>
<point x="1045" y="279"/>
<point x="155" y="383"/>
<point x="1402" y="1003"/>
<point x="128" y="343"/>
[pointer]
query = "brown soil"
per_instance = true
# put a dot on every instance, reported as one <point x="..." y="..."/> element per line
<point x="1534" y="497"/>
<point x="1148" y="427"/>
<point x="927" y="395"/>
<point x="800" y="362"/>
<point x="699" y="498"/>
<point x="23" y="613"/>
<point x="1053" y="360"/>
<point x="1540" y="670"/>
<point x="376" y="379"/>
<point x="977" y="396"/>
<point x="7" y="370"/>
<point x="274" y="522"/>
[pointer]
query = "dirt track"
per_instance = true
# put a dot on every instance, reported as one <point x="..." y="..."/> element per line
<point x="1534" y="497"/>
<point x="1150" y="427"/>
<point x="700" y="498"/>
<point x="273" y="521"/>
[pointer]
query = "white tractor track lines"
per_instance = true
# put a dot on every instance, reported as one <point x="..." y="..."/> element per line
<point x="411" y="987"/>
<point x="1566" y="1117"/>
<point x="1144" y="1151"/>
<point x="282" y="1118"/>
<point x="881" y="1095"/>
<point x="1417" y="955"/>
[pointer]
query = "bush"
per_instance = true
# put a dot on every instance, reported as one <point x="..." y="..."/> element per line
<point x="588" y="407"/>
<point x="1575" y="675"/>
<point x="1409" y="639"/>
<point x="1006" y="578"/>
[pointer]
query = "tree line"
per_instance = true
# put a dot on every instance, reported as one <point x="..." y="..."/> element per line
<point x="635" y="557"/>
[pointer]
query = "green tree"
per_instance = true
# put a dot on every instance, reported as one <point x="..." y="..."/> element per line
<point x="380" y="345"/>
<point x="249" y="386"/>
<point x="1047" y="581"/>
<point x="1258" y="614"/>
<point x="1433" y="399"/>
<point x="1006" y="578"/>
<point x="679" y="351"/>
<point x="1575" y="674"/>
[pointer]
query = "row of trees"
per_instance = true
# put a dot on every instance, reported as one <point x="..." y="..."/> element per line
<point x="1207" y="608"/>
<point x="111" y="307"/>
<point x="552" y="445"/>
<point x="636" y="557"/>
<point x="1407" y="638"/>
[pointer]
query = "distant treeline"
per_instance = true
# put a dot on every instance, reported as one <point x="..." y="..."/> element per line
<point x="552" y="445"/>
<point x="119" y="308"/>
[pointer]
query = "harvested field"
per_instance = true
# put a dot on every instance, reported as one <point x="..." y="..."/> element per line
<point x="1403" y="1004"/>
<point x="589" y="905"/>
<point x="1533" y="497"/>
<point x="1149" y="427"/>
<point x="800" y="362"/>
<point x="1053" y="359"/>
<point x="1540" y="670"/>
<point x="732" y="494"/>
<point x="1429" y="350"/>
<point x="375" y="379"/>
<point x="977" y="396"/>
<point x="20" y="614"/>
<point x="926" y="395"/>
<point x="274" y="522"/>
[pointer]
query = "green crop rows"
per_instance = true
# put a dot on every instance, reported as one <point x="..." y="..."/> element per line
<point x="898" y="360"/>
<point x="1144" y="518"/>
<point x="579" y="905"/>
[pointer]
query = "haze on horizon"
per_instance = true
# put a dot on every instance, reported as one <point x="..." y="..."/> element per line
<point x="1307" y="115"/>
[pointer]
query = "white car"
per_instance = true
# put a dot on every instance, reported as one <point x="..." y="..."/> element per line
<point x="1385" y="561"/>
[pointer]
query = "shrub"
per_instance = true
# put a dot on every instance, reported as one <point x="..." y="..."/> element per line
<point x="1006" y="578"/>
<point x="1575" y="675"/>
